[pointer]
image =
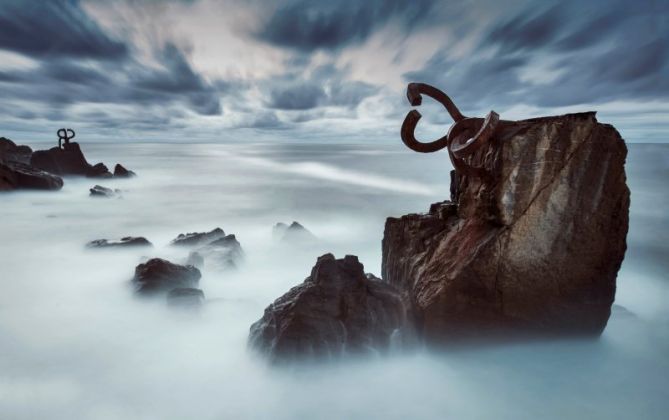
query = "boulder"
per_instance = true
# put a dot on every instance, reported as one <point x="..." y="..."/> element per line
<point x="160" y="276"/>
<point x="185" y="297"/>
<point x="126" y="242"/>
<point x="197" y="238"/>
<point x="337" y="310"/>
<point x="100" y="191"/>
<point x="293" y="233"/>
<point x="11" y="152"/>
<point x="533" y="248"/>
<point x="121" y="172"/>
<point x="99" y="170"/>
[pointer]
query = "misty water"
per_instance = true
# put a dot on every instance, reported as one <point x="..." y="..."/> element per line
<point x="76" y="344"/>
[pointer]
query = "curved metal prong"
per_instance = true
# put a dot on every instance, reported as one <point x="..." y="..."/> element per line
<point x="472" y="144"/>
<point x="407" y="134"/>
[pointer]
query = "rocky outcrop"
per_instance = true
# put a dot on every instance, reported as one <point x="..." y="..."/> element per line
<point x="293" y="233"/>
<point x="100" y="191"/>
<point x="121" y="172"/>
<point x="126" y="242"/>
<point x="16" y="173"/>
<point x="533" y="248"/>
<point x="161" y="276"/>
<point x="185" y="297"/>
<point x="197" y="238"/>
<point x="337" y="310"/>
<point x="69" y="160"/>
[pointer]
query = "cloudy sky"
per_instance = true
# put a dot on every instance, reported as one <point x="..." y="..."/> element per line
<point x="332" y="70"/>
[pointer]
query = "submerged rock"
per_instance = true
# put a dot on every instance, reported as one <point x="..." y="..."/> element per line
<point x="534" y="249"/>
<point x="185" y="297"/>
<point x="121" y="172"/>
<point x="293" y="233"/>
<point x="337" y="310"/>
<point x="158" y="275"/>
<point x="100" y="191"/>
<point x="126" y="242"/>
<point x="198" y="238"/>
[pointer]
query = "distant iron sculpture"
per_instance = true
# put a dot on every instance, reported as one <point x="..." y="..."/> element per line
<point x="463" y="139"/>
<point x="65" y="135"/>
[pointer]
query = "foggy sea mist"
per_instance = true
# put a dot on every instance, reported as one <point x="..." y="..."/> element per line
<point x="76" y="344"/>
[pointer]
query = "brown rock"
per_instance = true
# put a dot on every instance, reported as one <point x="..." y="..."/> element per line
<point x="336" y="310"/>
<point x="535" y="248"/>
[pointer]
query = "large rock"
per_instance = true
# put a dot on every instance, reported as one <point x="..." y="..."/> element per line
<point x="158" y="275"/>
<point x="69" y="160"/>
<point x="535" y="248"/>
<point x="336" y="310"/>
<point x="15" y="171"/>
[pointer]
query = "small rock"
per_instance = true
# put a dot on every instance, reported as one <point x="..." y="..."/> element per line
<point x="295" y="233"/>
<point x="128" y="241"/>
<point x="98" y="170"/>
<point x="100" y="191"/>
<point x="185" y="297"/>
<point x="337" y="310"/>
<point x="121" y="172"/>
<point x="198" y="238"/>
<point x="158" y="275"/>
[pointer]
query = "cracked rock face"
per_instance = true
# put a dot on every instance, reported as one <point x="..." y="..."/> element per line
<point x="533" y="249"/>
<point x="337" y="310"/>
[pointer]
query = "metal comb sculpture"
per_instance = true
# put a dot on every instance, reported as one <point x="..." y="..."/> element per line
<point x="464" y="138"/>
<point x="64" y="136"/>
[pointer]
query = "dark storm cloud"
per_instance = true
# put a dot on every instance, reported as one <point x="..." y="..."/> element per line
<point x="308" y="25"/>
<point x="598" y="51"/>
<point x="297" y="96"/>
<point x="55" y="28"/>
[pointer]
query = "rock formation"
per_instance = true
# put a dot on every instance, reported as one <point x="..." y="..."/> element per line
<point x="16" y="172"/>
<point x="69" y="160"/>
<point x="161" y="276"/>
<point x="126" y="242"/>
<point x="337" y="310"/>
<point x="197" y="238"/>
<point x="532" y="247"/>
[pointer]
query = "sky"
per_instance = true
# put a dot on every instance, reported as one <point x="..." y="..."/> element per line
<point x="324" y="70"/>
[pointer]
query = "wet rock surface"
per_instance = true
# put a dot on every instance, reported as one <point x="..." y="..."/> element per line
<point x="533" y="249"/>
<point x="337" y="310"/>
<point x="126" y="242"/>
<point x="161" y="276"/>
<point x="222" y="254"/>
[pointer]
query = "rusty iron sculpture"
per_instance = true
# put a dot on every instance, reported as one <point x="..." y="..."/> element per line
<point x="64" y="137"/>
<point x="464" y="138"/>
